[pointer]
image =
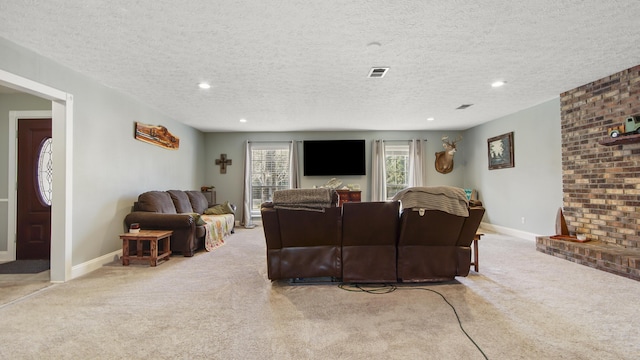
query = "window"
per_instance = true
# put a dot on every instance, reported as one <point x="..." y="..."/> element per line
<point x="397" y="167"/>
<point x="45" y="172"/>
<point x="270" y="171"/>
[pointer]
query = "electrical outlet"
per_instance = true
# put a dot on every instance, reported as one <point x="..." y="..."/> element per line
<point x="522" y="219"/>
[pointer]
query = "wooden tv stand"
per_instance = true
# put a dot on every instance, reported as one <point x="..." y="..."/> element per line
<point x="349" y="196"/>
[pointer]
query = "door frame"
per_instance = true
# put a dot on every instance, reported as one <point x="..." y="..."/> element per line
<point x="12" y="223"/>
<point x="62" y="199"/>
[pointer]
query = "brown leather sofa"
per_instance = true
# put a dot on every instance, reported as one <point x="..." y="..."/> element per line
<point x="369" y="242"/>
<point x="170" y="210"/>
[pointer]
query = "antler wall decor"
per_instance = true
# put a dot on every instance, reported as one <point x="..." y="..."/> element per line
<point x="444" y="159"/>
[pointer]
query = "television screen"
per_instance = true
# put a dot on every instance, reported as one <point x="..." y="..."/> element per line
<point x="334" y="157"/>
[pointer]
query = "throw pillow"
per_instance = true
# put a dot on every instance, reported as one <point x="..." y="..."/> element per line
<point x="228" y="208"/>
<point x="214" y="210"/>
<point x="220" y="209"/>
<point x="197" y="219"/>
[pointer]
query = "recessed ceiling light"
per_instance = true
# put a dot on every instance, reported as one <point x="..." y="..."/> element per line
<point x="243" y="120"/>
<point x="498" y="84"/>
<point x="203" y="85"/>
<point x="430" y="118"/>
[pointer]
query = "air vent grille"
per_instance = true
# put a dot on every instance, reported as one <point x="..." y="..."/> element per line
<point x="463" y="106"/>
<point x="378" y="72"/>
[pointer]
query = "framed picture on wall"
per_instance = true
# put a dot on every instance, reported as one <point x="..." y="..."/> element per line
<point x="500" y="151"/>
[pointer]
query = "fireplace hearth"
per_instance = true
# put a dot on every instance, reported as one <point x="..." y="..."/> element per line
<point x="600" y="179"/>
<point x="596" y="254"/>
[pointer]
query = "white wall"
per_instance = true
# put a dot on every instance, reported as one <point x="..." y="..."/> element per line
<point x="110" y="167"/>
<point x="533" y="188"/>
<point x="229" y="185"/>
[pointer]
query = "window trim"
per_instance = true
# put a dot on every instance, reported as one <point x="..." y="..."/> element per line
<point x="396" y="146"/>
<point x="276" y="145"/>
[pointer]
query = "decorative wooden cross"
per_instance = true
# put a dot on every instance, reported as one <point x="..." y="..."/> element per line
<point x="223" y="162"/>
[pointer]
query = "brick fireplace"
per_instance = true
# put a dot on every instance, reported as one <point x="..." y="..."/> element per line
<point x="601" y="184"/>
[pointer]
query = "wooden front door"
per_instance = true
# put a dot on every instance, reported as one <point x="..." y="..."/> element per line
<point x="33" y="229"/>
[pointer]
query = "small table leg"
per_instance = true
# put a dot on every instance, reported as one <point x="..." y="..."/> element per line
<point x="153" y="261"/>
<point x="475" y="254"/>
<point x="125" y="252"/>
<point x="475" y="263"/>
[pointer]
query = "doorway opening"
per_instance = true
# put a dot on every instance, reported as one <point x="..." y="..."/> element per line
<point x="62" y="152"/>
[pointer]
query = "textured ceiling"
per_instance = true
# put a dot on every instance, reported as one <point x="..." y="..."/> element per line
<point x="303" y="65"/>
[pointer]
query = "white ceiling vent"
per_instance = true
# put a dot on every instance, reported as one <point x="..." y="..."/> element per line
<point x="463" y="106"/>
<point x="378" y="72"/>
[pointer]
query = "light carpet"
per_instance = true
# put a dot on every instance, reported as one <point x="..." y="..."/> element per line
<point x="14" y="287"/>
<point x="220" y="305"/>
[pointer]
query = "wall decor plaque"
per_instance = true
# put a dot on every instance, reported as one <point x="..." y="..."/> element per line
<point x="156" y="135"/>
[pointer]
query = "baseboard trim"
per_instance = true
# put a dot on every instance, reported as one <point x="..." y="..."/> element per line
<point x="94" y="264"/>
<point x="80" y="269"/>
<point x="5" y="256"/>
<point x="509" y="231"/>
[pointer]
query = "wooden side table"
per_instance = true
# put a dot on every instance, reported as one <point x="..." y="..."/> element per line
<point x="210" y="196"/>
<point x="475" y="251"/>
<point x="152" y="236"/>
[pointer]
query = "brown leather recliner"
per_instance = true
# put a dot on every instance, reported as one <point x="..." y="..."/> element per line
<point x="303" y="243"/>
<point x="435" y="246"/>
<point x="468" y="233"/>
<point x="369" y="236"/>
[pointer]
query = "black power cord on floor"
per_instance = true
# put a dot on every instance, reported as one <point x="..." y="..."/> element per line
<point x="378" y="289"/>
<point x="369" y="289"/>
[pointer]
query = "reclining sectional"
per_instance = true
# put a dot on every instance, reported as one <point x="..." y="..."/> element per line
<point x="429" y="239"/>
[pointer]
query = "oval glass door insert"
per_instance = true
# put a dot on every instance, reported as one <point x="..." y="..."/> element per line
<point x="45" y="172"/>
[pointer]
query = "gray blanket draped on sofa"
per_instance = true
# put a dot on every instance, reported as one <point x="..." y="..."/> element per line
<point x="303" y="199"/>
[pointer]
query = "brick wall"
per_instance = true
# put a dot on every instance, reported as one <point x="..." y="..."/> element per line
<point x="601" y="184"/>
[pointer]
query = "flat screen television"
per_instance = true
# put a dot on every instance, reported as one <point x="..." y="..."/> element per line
<point x="333" y="157"/>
